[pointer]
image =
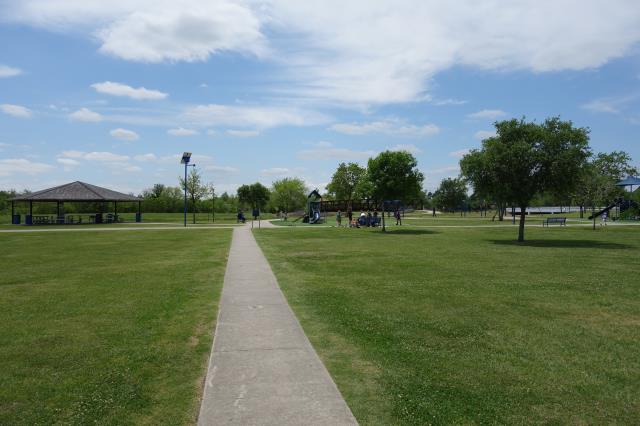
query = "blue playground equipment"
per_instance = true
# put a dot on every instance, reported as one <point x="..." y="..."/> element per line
<point x="314" y="205"/>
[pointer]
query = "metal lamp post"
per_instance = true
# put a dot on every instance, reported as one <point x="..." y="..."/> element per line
<point x="186" y="158"/>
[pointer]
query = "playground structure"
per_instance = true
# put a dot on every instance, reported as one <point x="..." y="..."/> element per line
<point x="316" y="206"/>
<point x="622" y="205"/>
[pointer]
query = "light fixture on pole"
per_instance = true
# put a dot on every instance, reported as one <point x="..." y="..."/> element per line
<point x="186" y="158"/>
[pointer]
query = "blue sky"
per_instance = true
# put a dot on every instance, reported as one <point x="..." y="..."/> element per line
<point x="112" y="93"/>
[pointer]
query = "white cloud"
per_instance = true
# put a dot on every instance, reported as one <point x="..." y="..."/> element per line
<point x="611" y="105"/>
<point x="86" y="115"/>
<point x="254" y="117"/>
<point x="393" y="127"/>
<point x="447" y="170"/>
<point x="16" y="110"/>
<point x="7" y="71"/>
<point x="359" y="52"/>
<point x="181" y="131"/>
<point x="221" y="169"/>
<point x="459" y="153"/>
<point x="68" y="163"/>
<point x="146" y="157"/>
<point x="243" y="133"/>
<point x="484" y="134"/>
<point x="489" y="114"/>
<point x="275" y="171"/>
<point x="152" y="31"/>
<point x="119" y="89"/>
<point x="601" y="105"/>
<point x="22" y="166"/>
<point x="102" y="156"/>
<point x="124" y="134"/>
<point x="211" y="132"/>
<point x="411" y="149"/>
<point x="326" y="151"/>
<point x="378" y="52"/>
<point x="449" y="101"/>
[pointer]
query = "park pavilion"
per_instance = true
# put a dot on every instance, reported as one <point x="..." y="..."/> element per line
<point x="74" y="192"/>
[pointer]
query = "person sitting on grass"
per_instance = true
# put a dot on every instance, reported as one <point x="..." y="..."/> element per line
<point x="369" y="219"/>
<point x="376" y="219"/>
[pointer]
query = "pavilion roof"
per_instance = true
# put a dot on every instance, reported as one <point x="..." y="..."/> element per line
<point x="628" y="181"/>
<point x="76" y="191"/>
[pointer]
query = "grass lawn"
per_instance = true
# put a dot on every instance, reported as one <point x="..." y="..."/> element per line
<point x="107" y="328"/>
<point x="466" y="326"/>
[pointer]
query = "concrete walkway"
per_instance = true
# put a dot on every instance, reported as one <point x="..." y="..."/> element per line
<point x="263" y="370"/>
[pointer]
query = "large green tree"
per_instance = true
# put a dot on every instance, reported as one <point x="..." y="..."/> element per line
<point x="476" y="168"/>
<point x="288" y="194"/>
<point x="527" y="158"/>
<point x="345" y="180"/>
<point x="394" y="175"/>
<point x="255" y="195"/>
<point x="451" y="193"/>
<point x="195" y="189"/>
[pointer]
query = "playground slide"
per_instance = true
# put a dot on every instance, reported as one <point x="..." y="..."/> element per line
<point x="315" y="218"/>
<point x="620" y="202"/>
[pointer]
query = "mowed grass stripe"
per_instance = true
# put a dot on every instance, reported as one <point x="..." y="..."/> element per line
<point x="458" y="326"/>
<point x="113" y="328"/>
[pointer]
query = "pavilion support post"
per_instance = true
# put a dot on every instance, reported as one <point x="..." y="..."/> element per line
<point x="13" y="209"/>
<point x="139" y="218"/>
<point x="115" y="211"/>
<point x="58" y="208"/>
<point x="30" y="208"/>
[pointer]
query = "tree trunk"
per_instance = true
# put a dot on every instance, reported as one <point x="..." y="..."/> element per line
<point x="521" y="227"/>
<point x="193" y="201"/>
<point x="581" y="212"/>
<point x="384" y="228"/>
<point x="593" y="214"/>
<point x="500" y="212"/>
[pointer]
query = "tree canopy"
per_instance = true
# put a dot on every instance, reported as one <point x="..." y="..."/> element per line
<point x="451" y="194"/>
<point x="394" y="175"/>
<point x="289" y="194"/>
<point x="525" y="159"/>
<point x="345" y="181"/>
<point x="255" y="195"/>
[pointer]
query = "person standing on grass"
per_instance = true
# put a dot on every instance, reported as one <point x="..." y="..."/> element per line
<point x="339" y="219"/>
<point x="604" y="219"/>
<point x="398" y="217"/>
<point x="433" y="212"/>
<point x="350" y="214"/>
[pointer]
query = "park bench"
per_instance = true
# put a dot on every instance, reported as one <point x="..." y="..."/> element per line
<point x="550" y="220"/>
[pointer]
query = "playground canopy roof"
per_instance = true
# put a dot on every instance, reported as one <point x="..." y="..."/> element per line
<point x="629" y="181"/>
<point x="76" y="191"/>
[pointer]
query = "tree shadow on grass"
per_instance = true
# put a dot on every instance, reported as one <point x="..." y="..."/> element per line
<point x="588" y="244"/>
<point x="396" y="231"/>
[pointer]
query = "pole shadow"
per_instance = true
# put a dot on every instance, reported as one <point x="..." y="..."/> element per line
<point x="586" y="244"/>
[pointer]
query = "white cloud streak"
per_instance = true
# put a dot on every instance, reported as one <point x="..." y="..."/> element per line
<point x="124" y="134"/>
<point x="16" y="110"/>
<point x="7" y="71"/>
<point x="243" y="133"/>
<point x="487" y="114"/>
<point x="181" y="132"/>
<point x="85" y="115"/>
<point x="119" y="89"/>
<point x="253" y="117"/>
<point x="22" y="166"/>
<point x="392" y="127"/>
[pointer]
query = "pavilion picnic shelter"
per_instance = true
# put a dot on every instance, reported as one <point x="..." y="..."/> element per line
<point x="74" y="192"/>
